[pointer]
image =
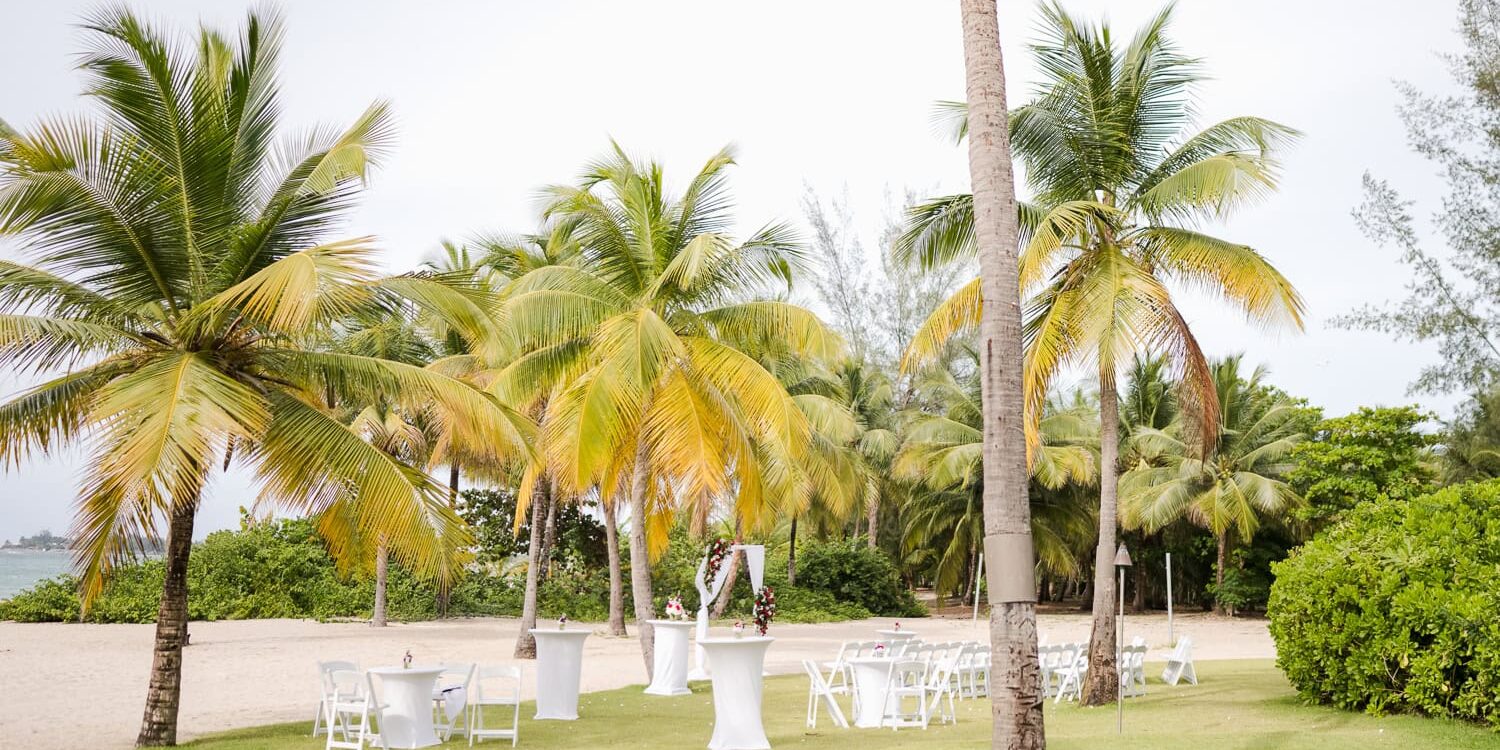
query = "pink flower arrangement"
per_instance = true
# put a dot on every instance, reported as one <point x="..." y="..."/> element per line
<point x="562" y="622"/>
<point x="880" y="649"/>
<point x="675" y="610"/>
<point x="739" y="628"/>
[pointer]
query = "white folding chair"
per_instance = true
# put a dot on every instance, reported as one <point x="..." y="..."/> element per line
<point x="495" y="686"/>
<point x="818" y="691"/>
<point x="1132" y="671"/>
<point x="325" y="688"/>
<point x="1180" y="664"/>
<point x="1074" y="665"/>
<point x="450" y="697"/>
<point x="940" y="684"/>
<point x="979" y="671"/>
<point x="354" y="714"/>
<point x="907" y="680"/>
<point x="838" y="680"/>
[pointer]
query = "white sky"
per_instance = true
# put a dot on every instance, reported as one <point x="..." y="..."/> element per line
<point x="495" y="99"/>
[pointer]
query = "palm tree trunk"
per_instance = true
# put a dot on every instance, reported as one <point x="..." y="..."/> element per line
<point x="163" y="697"/>
<point x="549" y="540"/>
<point x="1220" y="562"/>
<point x="791" y="556"/>
<point x="382" y="565"/>
<point x="1015" y="690"/>
<point x="444" y="593"/>
<point x="734" y="574"/>
<point x="872" y="521"/>
<point x="525" y="641"/>
<point x="640" y="561"/>
<point x="616" y="586"/>
<point x="1103" y="681"/>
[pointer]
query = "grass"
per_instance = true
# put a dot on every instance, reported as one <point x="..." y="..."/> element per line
<point x="1239" y="705"/>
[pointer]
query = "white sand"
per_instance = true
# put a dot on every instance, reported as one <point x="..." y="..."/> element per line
<point x="63" y="682"/>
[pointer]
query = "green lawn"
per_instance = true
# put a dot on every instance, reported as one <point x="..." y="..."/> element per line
<point x="1241" y="704"/>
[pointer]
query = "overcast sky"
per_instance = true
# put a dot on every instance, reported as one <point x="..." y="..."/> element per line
<point x="497" y="98"/>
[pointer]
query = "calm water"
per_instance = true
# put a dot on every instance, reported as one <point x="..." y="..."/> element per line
<point x="22" y="568"/>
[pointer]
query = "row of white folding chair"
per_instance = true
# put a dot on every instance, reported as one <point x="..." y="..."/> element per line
<point x="351" y="713"/>
<point x="1063" y="670"/>
<point x="929" y="682"/>
<point x="840" y="678"/>
<point x="348" y="694"/>
<point x="971" y="677"/>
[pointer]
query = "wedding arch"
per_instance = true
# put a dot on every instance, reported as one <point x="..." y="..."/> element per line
<point x="708" y="591"/>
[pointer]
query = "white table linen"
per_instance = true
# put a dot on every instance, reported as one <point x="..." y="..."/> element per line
<point x="871" y="676"/>
<point x="407" y="695"/>
<point x="737" y="667"/>
<point x="559" y="662"/>
<point x="670" y="665"/>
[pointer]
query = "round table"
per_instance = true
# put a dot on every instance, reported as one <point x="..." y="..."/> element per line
<point x="559" y="660"/>
<point x="406" y="720"/>
<point x="896" y="636"/>
<point x="670" y="665"/>
<point x="738" y="664"/>
<point x="871" y="677"/>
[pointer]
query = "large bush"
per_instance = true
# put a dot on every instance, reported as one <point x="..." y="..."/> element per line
<point x="1398" y="607"/>
<point x="855" y="574"/>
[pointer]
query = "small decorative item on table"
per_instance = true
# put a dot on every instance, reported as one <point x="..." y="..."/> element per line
<point x="562" y="622"/>
<point x="765" y="608"/>
<point x="880" y="649"/>
<point x="897" y="626"/>
<point x="739" y="628"/>
<point x="406" y="660"/>
<point x="675" y="610"/>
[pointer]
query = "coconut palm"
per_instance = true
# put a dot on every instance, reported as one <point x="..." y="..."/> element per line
<point x="1238" y="484"/>
<point x="1016" y="691"/>
<point x="944" y="452"/>
<point x="179" y="272"/>
<point x="652" y="336"/>
<point x="1117" y="181"/>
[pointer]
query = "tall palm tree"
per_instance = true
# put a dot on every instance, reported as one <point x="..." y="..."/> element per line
<point x="1016" y="695"/>
<point x="652" y="335"/>
<point x="1238" y="483"/>
<point x="1116" y="180"/>
<point x="178" y="270"/>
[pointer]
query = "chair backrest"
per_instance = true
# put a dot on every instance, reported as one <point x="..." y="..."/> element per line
<point x="1139" y="640"/>
<point x="1184" y="649"/>
<point x="942" y="670"/>
<point x="454" y="675"/>
<point x="347" y="683"/>
<point x="497" y="682"/>
<point x="847" y="649"/>
<point x="818" y="683"/>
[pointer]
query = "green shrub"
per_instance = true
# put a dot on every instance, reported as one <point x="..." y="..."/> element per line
<point x="1397" y="608"/>
<point x="52" y="600"/>
<point x="855" y="574"/>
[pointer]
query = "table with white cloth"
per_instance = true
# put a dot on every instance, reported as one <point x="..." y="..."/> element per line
<point x="406" y="720"/>
<point x="871" y="678"/>
<point x="669" y="667"/>
<point x="896" y="636"/>
<point x="559" y="662"/>
<point x="737" y="668"/>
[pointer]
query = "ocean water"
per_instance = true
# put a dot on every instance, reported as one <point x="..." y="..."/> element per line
<point x="23" y="568"/>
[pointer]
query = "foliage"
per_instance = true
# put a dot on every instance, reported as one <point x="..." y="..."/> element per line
<point x="1394" y="609"/>
<point x="1371" y="453"/>
<point x="490" y="513"/>
<point x="855" y="574"/>
<point x="1471" y="441"/>
<point x="1453" y="294"/>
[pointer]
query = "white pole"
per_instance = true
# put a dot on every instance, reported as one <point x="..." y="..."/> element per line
<point x="1171" y="641"/>
<point x="1119" y="647"/>
<point x="978" y="581"/>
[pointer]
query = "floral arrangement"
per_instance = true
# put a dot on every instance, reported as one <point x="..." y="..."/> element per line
<point x="897" y="628"/>
<point x="406" y="660"/>
<point x="675" y="610"/>
<point x="739" y="628"/>
<point x="562" y="622"/>
<point x="718" y="550"/>
<point x="765" y="608"/>
<point x="880" y="649"/>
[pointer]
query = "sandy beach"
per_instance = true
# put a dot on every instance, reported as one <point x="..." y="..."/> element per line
<point x="62" y="682"/>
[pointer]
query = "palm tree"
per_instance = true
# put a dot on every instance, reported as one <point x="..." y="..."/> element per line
<point x="177" y="273"/>
<point x="1007" y="524"/>
<point x="1239" y="482"/>
<point x="1105" y="237"/>
<point x="944" y="453"/>
<point x="652" y="336"/>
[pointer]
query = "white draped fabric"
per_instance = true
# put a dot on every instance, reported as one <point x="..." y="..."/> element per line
<point x="670" y="664"/>
<point x="708" y="591"/>
<point x="407" y="694"/>
<point x="559" y="662"/>
<point x="738" y="663"/>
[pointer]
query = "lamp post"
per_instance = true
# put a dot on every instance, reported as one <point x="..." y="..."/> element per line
<point x="1122" y="561"/>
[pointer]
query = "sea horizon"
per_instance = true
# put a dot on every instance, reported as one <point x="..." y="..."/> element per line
<point x="21" y="569"/>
